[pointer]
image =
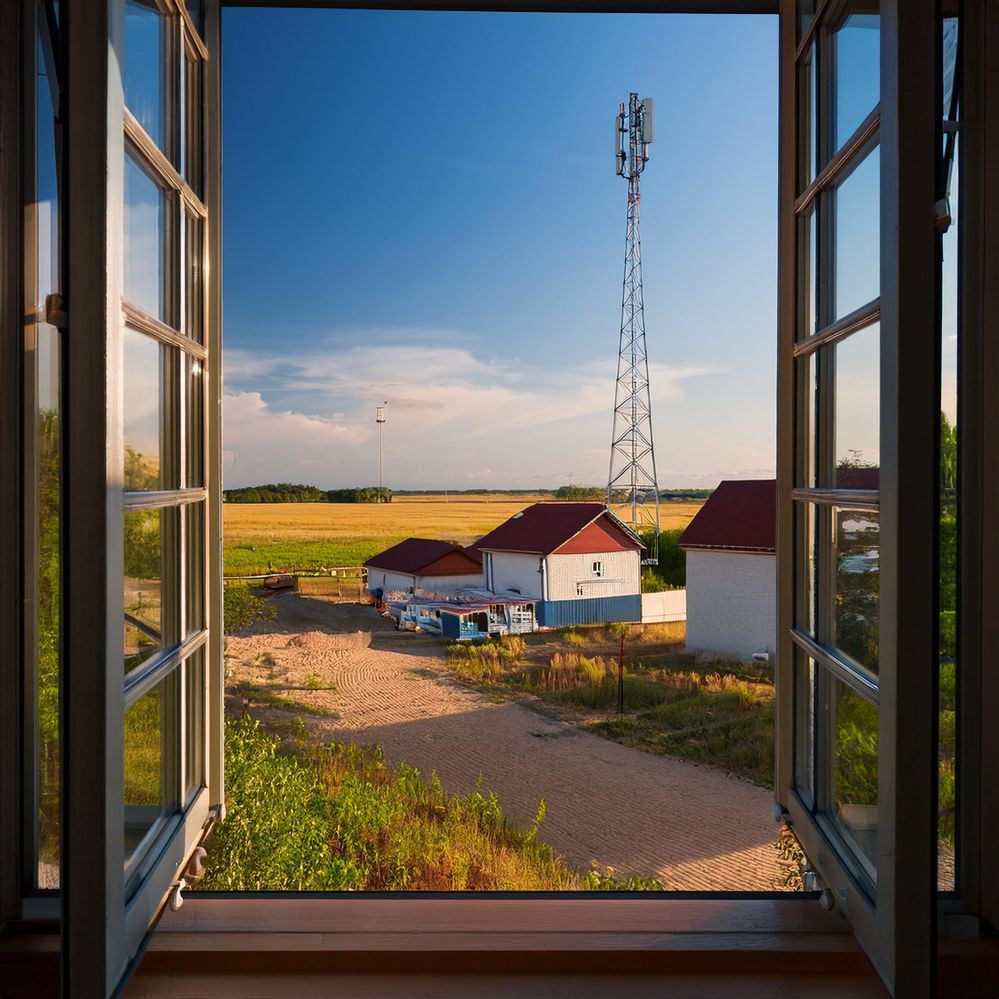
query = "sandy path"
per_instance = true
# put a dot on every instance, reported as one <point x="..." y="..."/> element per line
<point x="693" y="827"/>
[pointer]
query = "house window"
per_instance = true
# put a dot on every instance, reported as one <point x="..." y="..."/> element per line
<point x="598" y="569"/>
<point x="580" y="590"/>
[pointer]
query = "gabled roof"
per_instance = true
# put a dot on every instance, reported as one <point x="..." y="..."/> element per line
<point x="543" y="527"/>
<point x="414" y="555"/>
<point x="740" y="515"/>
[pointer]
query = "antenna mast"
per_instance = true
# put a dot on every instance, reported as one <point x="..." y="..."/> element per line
<point x="632" y="487"/>
<point x="380" y="420"/>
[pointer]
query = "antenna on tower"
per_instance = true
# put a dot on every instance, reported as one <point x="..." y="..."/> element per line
<point x="632" y="487"/>
<point x="380" y="420"/>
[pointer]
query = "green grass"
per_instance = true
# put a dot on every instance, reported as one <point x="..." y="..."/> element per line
<point x="244" y="559"/>
<point x="338" y="818"/>
<point x="262" y="697"/>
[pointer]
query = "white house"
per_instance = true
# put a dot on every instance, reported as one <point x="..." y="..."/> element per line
<point x="732" y="571"/>
<point x="576" y="561"/>
<point x="420" y="563"/>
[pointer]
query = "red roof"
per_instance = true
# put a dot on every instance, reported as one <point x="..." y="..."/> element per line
<point x="740" y="515"/>
<point x="415" y="554"/>
<point x="544" y="527"/>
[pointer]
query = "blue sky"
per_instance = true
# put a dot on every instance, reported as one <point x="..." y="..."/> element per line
<point x="422" y="208"/>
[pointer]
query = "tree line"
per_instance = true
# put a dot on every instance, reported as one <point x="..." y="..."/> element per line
<point x="287" y="492"/>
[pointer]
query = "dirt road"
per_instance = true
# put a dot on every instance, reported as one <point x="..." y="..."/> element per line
<point x="693" y="827"/>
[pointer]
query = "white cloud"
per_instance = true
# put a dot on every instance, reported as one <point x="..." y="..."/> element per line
<point x="456" y="416"/>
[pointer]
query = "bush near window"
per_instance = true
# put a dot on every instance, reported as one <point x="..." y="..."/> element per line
<point x="243" y="608"/>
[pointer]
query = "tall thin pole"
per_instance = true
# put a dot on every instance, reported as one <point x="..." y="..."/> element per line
<point x="380" y="420"/>
<point x="632" y="457"/>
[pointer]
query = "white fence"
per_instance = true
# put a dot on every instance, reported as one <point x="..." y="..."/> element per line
<point x="670" y="605"/>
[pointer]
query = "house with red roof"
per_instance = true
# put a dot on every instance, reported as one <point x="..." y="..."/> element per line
<point x="578" y="562"/>
<point x="732" y="570"/>
<point x="421" y="563"/>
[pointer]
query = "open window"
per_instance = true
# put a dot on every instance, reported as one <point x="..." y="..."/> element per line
<point x="132" y="97"/>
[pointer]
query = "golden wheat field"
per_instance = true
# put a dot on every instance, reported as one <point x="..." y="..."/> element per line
<point x="461" y="520"/>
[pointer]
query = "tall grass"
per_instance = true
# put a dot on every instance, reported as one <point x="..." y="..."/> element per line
<point x="486" y="661"/>
<point x="339" y="818"/>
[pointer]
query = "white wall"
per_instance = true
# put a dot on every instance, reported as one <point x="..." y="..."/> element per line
<point x="388" y="580"/>
<point x="666" y="605"/>
<point x="516" y="572"/>
<point x="731" y="603"/>
<point x="447" y="584"/>
<point x="622" y="575"/>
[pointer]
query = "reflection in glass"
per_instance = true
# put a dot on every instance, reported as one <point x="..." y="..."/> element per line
<point x="194" y="770"/>
<point x="857" y="594"/>
<point x="192" y="121"/>
<point x="150" y="761"/>
<point x="854" y="793"/>
<point x="806" y="11"/>
<point x="807" y="275"/>
<point x="857" y="380"/>
<point x="195" y="575"/>
<point x="144" y="564"/>
<point x="857" y="214"/>
<point x="949" y="662"/>
<point x="857" y="61"/>
<point x="144" y="360"/>
<point x="808" y="152"/>
<point x="804" y="725"/>
<point x="805" y="527"/>
<point x="193" y="288"/>
<point x="195" y="382"/>
<point x="145" y="229"/>
<point x="42" y="554"/>
<point x="143" y="72"/>
<point x="805" y="444"/>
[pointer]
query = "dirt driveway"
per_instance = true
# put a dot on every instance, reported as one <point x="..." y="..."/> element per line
<point x="693" y="827"/>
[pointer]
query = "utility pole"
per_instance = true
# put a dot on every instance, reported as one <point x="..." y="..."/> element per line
<point x="632" y="457"/>
<point x="380" y="420"/>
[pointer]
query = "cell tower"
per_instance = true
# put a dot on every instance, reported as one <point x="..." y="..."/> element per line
<point x="632" y="487"/>
<point x="380" y="420"/>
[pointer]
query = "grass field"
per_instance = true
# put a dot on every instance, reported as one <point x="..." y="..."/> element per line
<point x="259" y="537"/>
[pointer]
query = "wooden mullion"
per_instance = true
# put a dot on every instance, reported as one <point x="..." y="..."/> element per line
<point x="857" y="320"/>
<point x="157" y="160"/>
<point x="144" y="323"/>
<point x="854" y="676"/>
<point x="848" y="499"/>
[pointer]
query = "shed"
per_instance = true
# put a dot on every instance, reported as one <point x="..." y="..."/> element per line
<point x="422" y="563"/>
<point x="732" y="570"/>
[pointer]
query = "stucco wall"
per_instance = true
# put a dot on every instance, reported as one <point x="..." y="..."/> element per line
<point x="731" y="603"/>
<point x="387" y="580"/>
<point x="516" y="572"/>
<point x="622" y="575"/>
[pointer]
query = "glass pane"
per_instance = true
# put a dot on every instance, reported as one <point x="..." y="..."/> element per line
<point x="192" y="152"/>
<point x="805" y="527"/>
<point x="145" y="234"/>
<point x="193" y="288"/>
<point x="857" y="213"/>
<point x="857" y="378"/>
<point x="857" y="586"/>
<point x="805" y="453"/>
<point x="808" y="151"/>
<point x="806" y="11"/>
<point x="145" y="361"/>
<point x="194" y="706"/>
<point x="144" y="68"/>
<point x="151" y="764"/>
<point x="852" y="803"/>
<point x="43" y="473"/>
<point x="807" y="274"/>
<point x="857" y="60"/>
<point x="144" y="585"/>
<point x="195" y="575"/>
<point x="804" y="748"/>
<point x="195" y="422"/>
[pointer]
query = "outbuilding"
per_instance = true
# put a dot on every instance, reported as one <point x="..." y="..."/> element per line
<point x="732" y="571"/>
<point x="577" y="562"/>
<point x="424" y="564"/>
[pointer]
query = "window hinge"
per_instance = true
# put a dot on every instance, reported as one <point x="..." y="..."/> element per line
<point x="216" y="813"/>
<point x="55" y="311"/>
<point x="176" y="899"/>
<point x="813" y="882"/>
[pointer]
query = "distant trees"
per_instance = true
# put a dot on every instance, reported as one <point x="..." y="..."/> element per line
<point x="580" y="493"/>
<point x="671" y="572"/>
<point x="287" y="492"/>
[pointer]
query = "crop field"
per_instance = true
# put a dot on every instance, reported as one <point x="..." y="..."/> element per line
<point x="260" y="537"/>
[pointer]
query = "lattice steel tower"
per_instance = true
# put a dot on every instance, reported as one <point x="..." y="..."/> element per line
<point x="632" y="487"/>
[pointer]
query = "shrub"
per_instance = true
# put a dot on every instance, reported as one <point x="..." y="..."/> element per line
<point x="243" y="608"/>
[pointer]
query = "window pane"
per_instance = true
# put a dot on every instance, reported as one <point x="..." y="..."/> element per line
<point x="857" y="214"/>
<point x="145" y="382"/>
<point x="806" y="11"/>
<point x="144" y="583"/>
<point x="194" y="706"/>
<point x="857" y="586"/>
<point x="806" y="471"/>
<point x="808" y="277"/>
<point x="195" y="422"/>
<point x="193" y="288"/>
<point x="195" y="575"/>
<point x="808" y="124"/>
<point x="145" y="234"/>
<point x="192" y="150"/>
<point x="144" y="68"/>
<point x="151" y="761"/>
<point x="805" y="526"/>
<point x="804" y="748"/>
<point x="852" y="721"/>
<point x="857" y="46"/>
<point x="857" y="378"/>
